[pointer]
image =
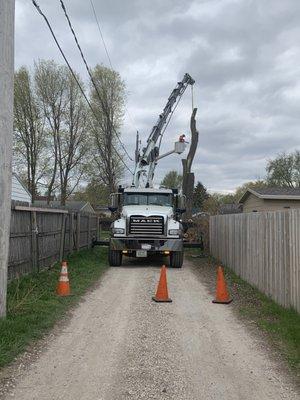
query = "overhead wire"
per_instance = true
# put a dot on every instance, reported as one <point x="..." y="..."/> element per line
<point x="92" y="79"/>
<point x="74" y="75"/>
<point x="108" y="56"/>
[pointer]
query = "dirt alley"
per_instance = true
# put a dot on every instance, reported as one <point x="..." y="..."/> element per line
<point x="119" y="344"/>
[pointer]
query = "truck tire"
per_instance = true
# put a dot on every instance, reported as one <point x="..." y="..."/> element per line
<point x="114" y="258"/>
<point x="176" y="259"/>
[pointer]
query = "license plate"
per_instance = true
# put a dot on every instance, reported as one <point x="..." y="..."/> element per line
<point x="141" y="253"/>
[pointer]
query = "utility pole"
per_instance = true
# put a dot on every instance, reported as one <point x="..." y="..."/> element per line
<point x="7" y="12"/>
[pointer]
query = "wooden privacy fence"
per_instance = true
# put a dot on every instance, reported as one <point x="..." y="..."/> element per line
<point x="41" y="236"/>
<point x="263" y="249"/>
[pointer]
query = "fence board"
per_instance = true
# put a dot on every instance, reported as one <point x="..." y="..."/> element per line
<point x="39" y="237"/>
<point x="262" y="248"/>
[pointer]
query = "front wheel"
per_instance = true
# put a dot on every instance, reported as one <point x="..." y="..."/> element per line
<point x="176" y="259"/>
<point x="114" y="258"/>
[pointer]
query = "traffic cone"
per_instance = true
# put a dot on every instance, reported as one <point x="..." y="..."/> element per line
<point x="63" y="287"/>
<point x="222" y="295"/>
<point x="162" y="295"/>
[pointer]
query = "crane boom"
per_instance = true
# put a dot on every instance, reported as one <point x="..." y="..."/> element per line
<point x="147" y="160"/>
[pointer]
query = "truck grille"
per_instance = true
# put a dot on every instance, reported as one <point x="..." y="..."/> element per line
<point x="146" y="226"/>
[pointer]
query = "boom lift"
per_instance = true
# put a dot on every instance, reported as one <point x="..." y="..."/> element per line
<point x="147" y="160"/>
<point x="148" y="219"/>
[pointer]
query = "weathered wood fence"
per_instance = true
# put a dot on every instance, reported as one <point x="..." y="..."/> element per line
<point x="263" y="249"/>
<point x="41" y="236"/>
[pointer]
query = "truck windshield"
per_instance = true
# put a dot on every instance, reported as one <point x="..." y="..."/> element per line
<point x="154" y="199"/>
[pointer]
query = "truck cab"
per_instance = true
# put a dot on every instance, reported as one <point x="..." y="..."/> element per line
<point x="147" y="221"/>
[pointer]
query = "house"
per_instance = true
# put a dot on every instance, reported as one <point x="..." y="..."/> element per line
<point x="270" y="199"/>
<point x="19" y="191"/>
<point x="230" y="208"/>
<point x="102" y="210"/>
<point x="71" y="205"/>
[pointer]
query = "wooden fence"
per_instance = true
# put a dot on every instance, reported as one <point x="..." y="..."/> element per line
<point x="263" y="249"/>
<point x="41" y="236"/>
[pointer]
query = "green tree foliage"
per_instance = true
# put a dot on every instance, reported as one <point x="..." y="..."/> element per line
<point x="284" y="170"/>
<point x="172" y="180"/>
<point x="199" y="196"/>
<point x="94" y="192"/>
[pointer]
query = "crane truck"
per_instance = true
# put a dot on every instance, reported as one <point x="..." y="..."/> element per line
<point x="148" y="219"/>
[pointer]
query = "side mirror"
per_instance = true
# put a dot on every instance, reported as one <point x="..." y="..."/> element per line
<point x="113" y="202"/>
<point x="181" y="204"/>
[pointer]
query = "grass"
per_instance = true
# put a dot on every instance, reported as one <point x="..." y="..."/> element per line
<point x="281" y="325"/>
<point x="33" y="306"/>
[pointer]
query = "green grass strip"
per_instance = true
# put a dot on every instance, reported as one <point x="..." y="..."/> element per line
<point x="33" y="306"/>
<point x="282" y="325"/>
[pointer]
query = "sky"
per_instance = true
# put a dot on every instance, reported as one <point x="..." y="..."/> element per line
<point x="243" y="54"/>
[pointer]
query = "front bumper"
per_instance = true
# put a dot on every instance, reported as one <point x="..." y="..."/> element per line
<point x="156" y="244"/>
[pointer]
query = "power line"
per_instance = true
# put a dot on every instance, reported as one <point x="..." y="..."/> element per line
<point x="74" y="75"/>
<point x="92" y="79"/>
<point x="108" y="57"/>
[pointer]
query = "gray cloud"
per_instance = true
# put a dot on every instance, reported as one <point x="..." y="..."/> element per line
<point x="243" y="54"/>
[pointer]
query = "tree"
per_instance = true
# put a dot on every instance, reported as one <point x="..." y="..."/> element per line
<point x="284" y="170"/>
<point x="66" y="115"/>
<point x="94" y="192"/>
<point x="29" y="132"/>
<point x="72" y="140"/>
<point x="108" y="103"/>
<point x="50" y="80"/>
<point x="215" y="201"/>
<point x="172" y="180"/>
<point x="199" y="196"/>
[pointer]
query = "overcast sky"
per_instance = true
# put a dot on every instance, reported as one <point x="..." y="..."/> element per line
<point x="243" y="54"/>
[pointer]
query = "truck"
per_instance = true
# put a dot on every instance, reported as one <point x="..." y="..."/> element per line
<point x="148" y="219"/>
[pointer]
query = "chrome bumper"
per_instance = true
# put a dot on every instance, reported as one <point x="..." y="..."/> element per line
<point x="156" y="244"/>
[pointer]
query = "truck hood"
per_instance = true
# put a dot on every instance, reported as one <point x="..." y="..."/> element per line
<point x="146" y="211"/>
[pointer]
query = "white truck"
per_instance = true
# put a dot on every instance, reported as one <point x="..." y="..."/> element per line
<point x="148" y="222"/>
<point x="148" y="219"/>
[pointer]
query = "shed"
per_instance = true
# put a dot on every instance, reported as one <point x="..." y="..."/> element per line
<point x="270" y="199"/>
<point x="19" y="191"/>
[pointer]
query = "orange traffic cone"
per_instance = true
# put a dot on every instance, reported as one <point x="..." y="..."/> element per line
<point x="63" y="287"/>
<point x="162" y="295"/>
<point x="222" y="295"/>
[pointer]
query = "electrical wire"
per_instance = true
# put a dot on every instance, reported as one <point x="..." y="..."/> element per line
<point x="92" y="78"/>
<point x="74" y="75"/>
<point x="108" y="56"/>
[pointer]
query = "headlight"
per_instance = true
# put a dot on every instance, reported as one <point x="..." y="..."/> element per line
<point x="118" y="230"/>
<point x="174" y="232"/>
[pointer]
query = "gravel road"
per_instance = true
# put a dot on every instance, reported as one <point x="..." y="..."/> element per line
<point x="119" y="344"/>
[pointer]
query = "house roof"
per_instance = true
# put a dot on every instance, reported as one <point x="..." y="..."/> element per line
<point x="230" y="208"/>
<point x="272" y="193"/>
<point x="74" y="205"/>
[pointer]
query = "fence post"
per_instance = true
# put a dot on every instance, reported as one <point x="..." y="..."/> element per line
<point x="34" y="241"/>
<point x="71" y="233"/>
<point x="62" y="237"/>
<point x="89" y="232"/>
<point x="98" y="231"/>
<point x="78" y="232"/>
